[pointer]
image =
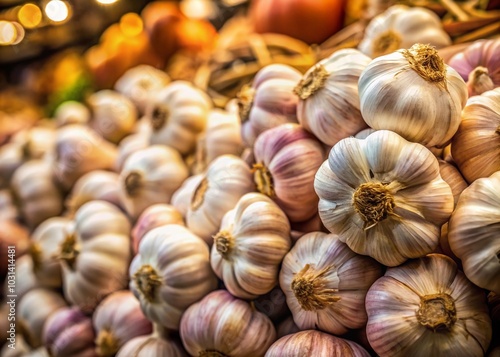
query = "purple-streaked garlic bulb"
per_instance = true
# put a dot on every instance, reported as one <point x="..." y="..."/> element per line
<point x="149" y="346"/>
<point x="181" y="199"/>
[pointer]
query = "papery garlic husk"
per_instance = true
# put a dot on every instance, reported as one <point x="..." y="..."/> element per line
<point x="170" y="272"/>
<point x="71" y="112"/>
<point x="154" y="216"/>
<point x="325" y="283"/>
<point x="151" y="176"/>
<point x="128" y="146"/>
<point x="118" y="319"/>
<point x="181" y="199"/>
<point x="250" y="245"/>
<point x="24" y="269"/>
<point x="478" y="65"/>
<point x="363" y="134"/>
<point x="95" y="254"/>
<point x="45" y="246"/>
<point x="177" y="114"/>
<point x="401" y="26"/>
<point x="428" y="110"/>
<point x="12" y="234"/>
<point x="315" y="343"/>
<point x="453" y="178"/>
<point x="148" y="346"/>
<point x="384" y="197"/>
<point x="222" y="136"/>
<point x="427" y="307"/>
<point x="329" y="101"/>
<point x="473" y="232"/>
<point x="140" y="83"/>
<point x="8" y="209"/>
<point x="36" y="192"/>
<point x="286" y="160"/>
<point x="222" y="325"/>
<point x="79" y="150"/>
<point x="227" y="179"/>
<point x="113" y="114"/>
<point x="36" y="142"/>
<point x="69" y="333"/>
<point x="95" y="185"/>
<point x="476" y="145"/>
<point x="269" y="101"/>
<point x="33" y="310"/>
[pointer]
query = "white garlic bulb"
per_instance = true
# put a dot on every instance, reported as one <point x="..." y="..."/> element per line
<point x="71" y="112"/>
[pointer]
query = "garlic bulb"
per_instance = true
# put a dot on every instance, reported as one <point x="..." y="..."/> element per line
<point x="33" y="310"/>
<point x="181" y="199"/>
<point x="222" y="325"/>
<point x="453" y="178"/>
<point x="11" y="157"/>
<point x="24" y="268"/>
<point x="69" y="333"/>
<point x="473" y="232"/>
<point x="113" y="114"/>
<point x="427" y="307"/>
<point x="128" y="146"/>
<point x="384" y="197"/>
<point x="170" y="272"/>
<point x="95" y="254"/>
<point x="151" y="176"/>
<point x="177" y="114"/>
<point x="79" y="150"/>
<point x="36" y="193"/>
<point x="36" y="142"/>
<point x="329" y="101"/>
<point x="250" y="245"/>
<point x="363" y="134"/>
<point x="148" y="346"/>
<point x="428" y="110"/>
<point x="475" y="147"/>
<point x="478" y="65"/>
<point x="154" y="216"/>
<point x="93" y="186"/>
<point x="227" y="179"/>
<point x="118" y="319"/>
<point x="71" y="112"/>
<point x="8" y="210"/>
<point x="315" y="343"/>
<point x="45" y="246"/>
<point x="325" y="283"/>
<point x="140" y="83"/>
<point x="401" y="26"/>
<point x="269" y="101"/>
<point x="287" y="158"/>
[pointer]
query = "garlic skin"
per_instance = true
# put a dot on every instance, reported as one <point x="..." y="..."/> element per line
<point x="11" y="158"/>
<point x="93" y="186"/>
<point x="250" y="245"/>
<point x="473" y="234"/>
<point x="315" y="343"/>
<point x="325" y="283"/>
<point x="95" y="254"/>
<point x="170" y="272"/>
<point x="329" y="101"/>
<point x="384" y="197"/>
<point x="227" y="179"/>
<point x="286" y="160"/>
<point x="181" y="199"/>
<point x="116" y="320"/>
<point x="69" y="333"/>
<point x="71" y="112"/>
<point x="24" y="268"/>
<point x="36" y="193"/>
<point x="33" y="310"/>
<point x="427" y="307"/>
<point x="401" y="26"/>
<point x="128" y="146"/>
<point x="475" y="147"/>
<point x="147" y="346"/>
<point x="453" y="178"/>
<point x="45" y="246"/>
<point x="222" y="325"/>
<point x="177" y="114"/>
<point x="428" y="111"/>
<point x="269" y="101"/>
<point x="154" y="216"/>
<point x="140" y="83"/>
<point x="151" y="176"/>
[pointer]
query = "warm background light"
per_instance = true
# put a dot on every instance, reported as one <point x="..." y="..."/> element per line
<point x="199" y="9"/>
<point x="106" y="2"/>
<point x="8" y="33"/>
<point x="57" y="10"/>
<point x="30" y="16"/>
<point x="131" y="24"/>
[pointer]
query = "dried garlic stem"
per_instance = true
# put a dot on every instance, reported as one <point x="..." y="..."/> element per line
<point x="313" y="82"/>
<point x="224" y="243"/>
<point x="263" y="179"/>
<point x="309" y="288"/>
<point x="479" y="81"/>
<point x="425" y="60"/>
<point x="211" y="353"/>
<point x="437" y="312"/>
<point x="133" y="183"/>
<point x="147" y="281"/>
<point x="159" y="117"/>
<point x="199" y="194"/>
<point x="36" y="255"/>
<point x="374" y="203"/>
<point x="106" y="344"/>
<point x="387" y="42"/>
<point x="244" y="99"/>
<point x="69" y="251"/>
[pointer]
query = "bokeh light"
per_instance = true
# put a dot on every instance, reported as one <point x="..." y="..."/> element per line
<point x="131" y="24"/>
<point x="30" y="15"/>
<point x="57" y="10"/>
